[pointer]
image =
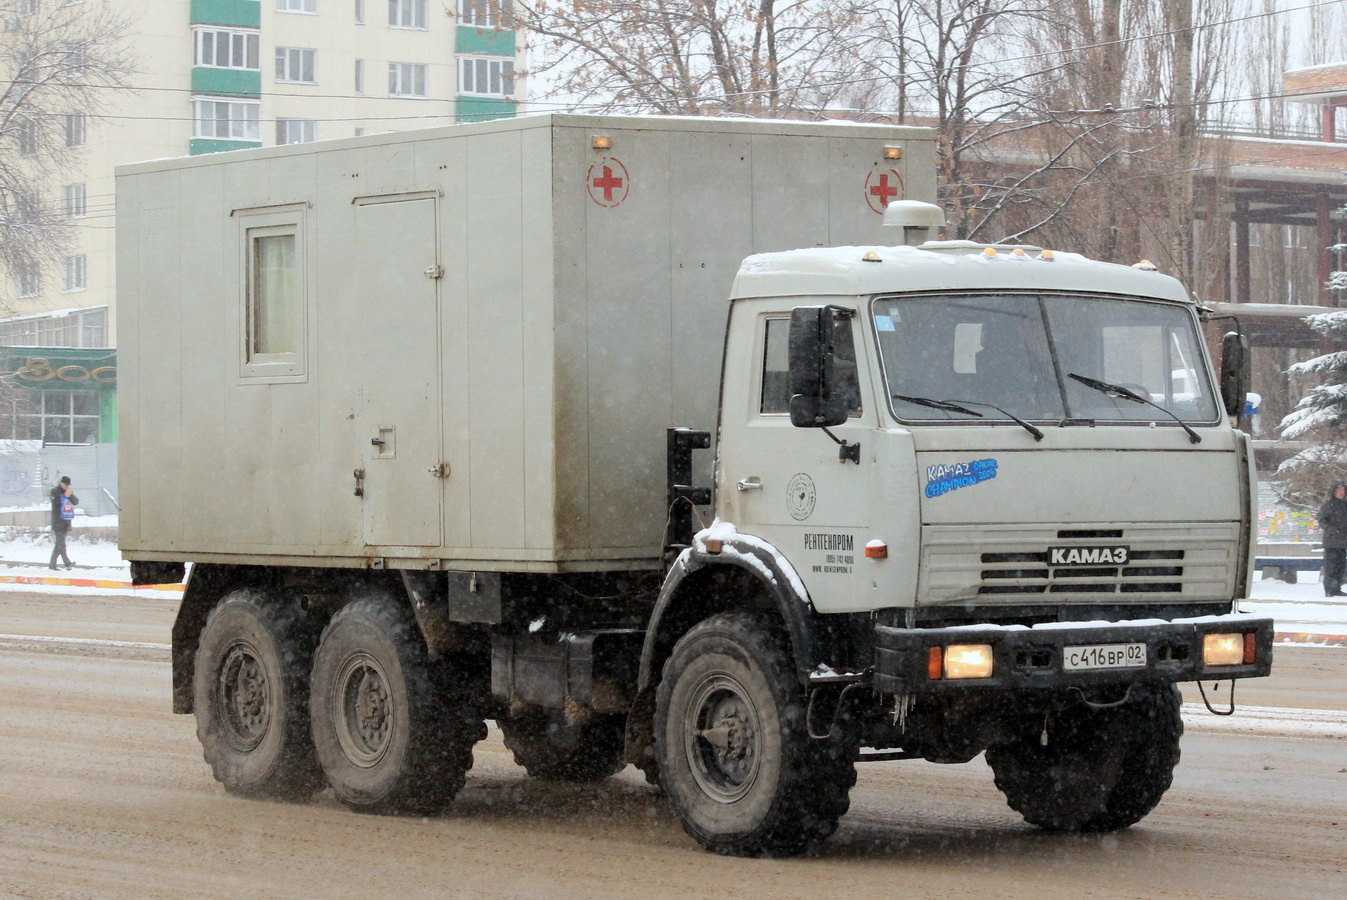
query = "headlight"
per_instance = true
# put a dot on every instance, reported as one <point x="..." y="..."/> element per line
<point x="968" y="661"/>
<point x="1227" y="649"/>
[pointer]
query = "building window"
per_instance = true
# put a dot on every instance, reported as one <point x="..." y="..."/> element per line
<point x="74" y="273"/>
<point x="81" y="328"/>
<point x="360" y="12"/>
<point x="406" y="79"/>
<point x="407" y="13"/>
<point x="76" y="200"/>
<point x="26" y="137"/>
<point x="28" y="7"/>
<point x="296" y="131"/>
<point x="76" y="128"/>
<point x="27" y="279"/>
<point x="69" y="417"/>
<point x="485" y="77"/>
<point x="295" y="64"/>
<point x="227" y="49"/>
<point x="76" y="61"/>
<point x="228" y="119"/>
<point x="484" y="13"/>
<point x="297" y="6"/>
<point x="360" y="76"/>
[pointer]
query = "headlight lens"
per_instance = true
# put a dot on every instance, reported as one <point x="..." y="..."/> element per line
<point x="1222" y="649"/>
<point x="968" y="661"/>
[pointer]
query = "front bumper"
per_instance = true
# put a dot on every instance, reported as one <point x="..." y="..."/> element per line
<point x="1028" y="658"/>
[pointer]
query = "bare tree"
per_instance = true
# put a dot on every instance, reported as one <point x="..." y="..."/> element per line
<point x="686" y="57"/>
<point x="60" y="65"/>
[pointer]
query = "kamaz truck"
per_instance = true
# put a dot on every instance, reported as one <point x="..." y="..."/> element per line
<point x="679" y="443"/>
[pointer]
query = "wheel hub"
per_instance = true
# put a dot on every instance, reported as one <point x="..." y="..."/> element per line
<point x="243" y="696"/>
<point x="722" y="738"/>
<point x="364" y="710"/>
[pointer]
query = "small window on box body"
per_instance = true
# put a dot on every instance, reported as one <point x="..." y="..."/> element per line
<point x="275" y="297"/>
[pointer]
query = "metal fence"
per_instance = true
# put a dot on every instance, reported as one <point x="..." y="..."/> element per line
<point x="28" y="470"/>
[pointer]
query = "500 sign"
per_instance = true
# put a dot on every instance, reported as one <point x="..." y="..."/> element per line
<point x="37" y="369"/>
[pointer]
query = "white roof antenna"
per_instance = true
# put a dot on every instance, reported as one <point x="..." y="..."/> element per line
<point x="915" y="218"/>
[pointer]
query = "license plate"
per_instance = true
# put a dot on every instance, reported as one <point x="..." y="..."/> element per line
<point x="1104" y="656"/>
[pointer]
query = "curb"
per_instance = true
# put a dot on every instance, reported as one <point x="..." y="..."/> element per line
<point x="86" y="582"/>
<point x="1323" y="640"/>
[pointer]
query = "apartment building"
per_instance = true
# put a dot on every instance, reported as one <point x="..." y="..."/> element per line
<point x="220" y="75"/>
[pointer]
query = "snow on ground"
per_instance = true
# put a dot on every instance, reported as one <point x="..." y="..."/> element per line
<point x="1298" y="608"/>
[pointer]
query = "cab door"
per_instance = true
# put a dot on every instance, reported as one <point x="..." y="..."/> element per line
<point x="790" y="486"/>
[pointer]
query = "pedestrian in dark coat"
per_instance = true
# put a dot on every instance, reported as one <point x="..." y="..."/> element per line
<point x="1333" y="521"/>
<point x="63" y="502"/>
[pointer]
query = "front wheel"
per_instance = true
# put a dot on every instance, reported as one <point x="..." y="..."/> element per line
<point x="1083" y="769"/>
<point x="739" y="767"/>
<point x="393" y="728"/>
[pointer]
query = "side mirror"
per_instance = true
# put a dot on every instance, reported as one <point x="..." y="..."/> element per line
<point x="823" y="376"/>
<point x="1234" y="372"/>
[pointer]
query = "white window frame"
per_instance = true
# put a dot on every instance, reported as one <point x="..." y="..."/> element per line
<point x="296" y="131"/>
<point x="483" y="13"/>
<point x="400" y="73"/>
<point x="250" y="50"/>
<point x="271" y="221"/>
<point x="293" y="63"/>
<point x="495" y="70"/>
<point x="74" y="273"/>
<point x="26" y="137"/>
<point x="306" y="7"/>
<point x="76" y="130"/>
<point x="410" y="14"/>
<point x="245" y="127"/>
<point x="76" y="197"/>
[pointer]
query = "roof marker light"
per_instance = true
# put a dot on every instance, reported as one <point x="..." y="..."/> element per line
<point x="602" y="142"/>
<point x="1145" y="265"/>
<point x="1018" y="253"/>
<point x="892" y="152"/>
<point x="990" y="252"/>
<point x="871" y="256"/>
<point x="1047" y="255"/>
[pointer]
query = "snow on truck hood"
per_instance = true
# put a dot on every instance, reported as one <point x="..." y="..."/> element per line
<point x="941" y="265"/>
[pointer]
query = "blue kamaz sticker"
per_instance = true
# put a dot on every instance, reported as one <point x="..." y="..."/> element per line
<point x="946" y="477"/>
<point x="884" y="323"/>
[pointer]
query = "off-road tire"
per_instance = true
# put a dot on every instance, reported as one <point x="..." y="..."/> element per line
<point x="735" y="758"/>
<point x="251" y="696"/>
<point x="548" y="748"/>
<point x="1101" y="770"/>
<point x="393" y="728"/>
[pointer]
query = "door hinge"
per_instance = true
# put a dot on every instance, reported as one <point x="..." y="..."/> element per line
<point x="435" y="270"/>
<point x="439" y="470"/>
<point x="359" y="482"/>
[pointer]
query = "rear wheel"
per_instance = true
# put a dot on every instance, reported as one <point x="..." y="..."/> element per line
<point x="1086" y="769"/>
<point x="393" y="729"/>
<point x="549" y="748"/>
<point x="734" y="756"/>
<point x="250" y="693"/>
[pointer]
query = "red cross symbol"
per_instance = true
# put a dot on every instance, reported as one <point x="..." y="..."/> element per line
<point x="887" y="186"/>
<point x="609" y="182"/>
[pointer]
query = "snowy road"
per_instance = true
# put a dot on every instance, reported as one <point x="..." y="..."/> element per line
<point x="105" y="794"/>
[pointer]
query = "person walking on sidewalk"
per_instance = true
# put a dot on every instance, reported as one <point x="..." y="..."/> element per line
<point x="63" y="502"/>
<point x="1333" y="521"/>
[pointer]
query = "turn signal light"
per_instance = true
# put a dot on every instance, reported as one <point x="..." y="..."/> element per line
<point x="968" y="661"/>
<point x="1250" y="649"/>
<point x="935" y="663"/>
<point x="714" y="545"/>
<point x="877" y="550"/>
<point x="1223" y="649"/>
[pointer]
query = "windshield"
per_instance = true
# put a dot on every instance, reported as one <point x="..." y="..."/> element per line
<point x="1017" y="351"/>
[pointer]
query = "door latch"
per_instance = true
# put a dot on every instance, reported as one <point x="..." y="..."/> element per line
<point x="434" y="270"/>
<point x="359" y="482"/>
<point x="439" y="470"/>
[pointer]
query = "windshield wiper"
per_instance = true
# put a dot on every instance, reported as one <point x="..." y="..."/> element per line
<point x="946" y="405"/>
<point x="1038" y="435"/>
<point x="1119" y="390"/>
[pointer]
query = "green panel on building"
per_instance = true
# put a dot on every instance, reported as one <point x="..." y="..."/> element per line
<point x="107" y="417"/>
<point x="480" y="109"/>
<point x="59" y="368"/>
<point x="226" y="82"/>
<point x="201" y="146"/>
<point x="488" y="41"/>
<point x="243" y="13"/>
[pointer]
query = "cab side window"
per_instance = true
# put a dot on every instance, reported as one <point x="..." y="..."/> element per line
<point x="776" y="368"/>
